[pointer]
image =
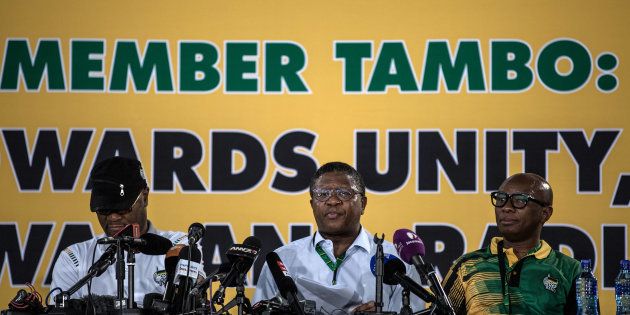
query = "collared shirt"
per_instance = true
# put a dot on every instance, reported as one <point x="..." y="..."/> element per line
<point x="542" y="282"/>
<point x="74" y="261"/>
<point x="354" y="283"/>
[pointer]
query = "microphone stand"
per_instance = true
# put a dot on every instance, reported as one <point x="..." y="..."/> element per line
<point x="125" y="306"/>
<point x="380" y="257"/>
<point x="95" y="270"/>
<point x="406" y="308"/>
<point x="380" y="261"/>
<point x="200" y="289"/>
<point x="240" y="300"/>
<point x="428" y="271"/>
<point x="131" y="263"/>
<point x="120" y="277"/>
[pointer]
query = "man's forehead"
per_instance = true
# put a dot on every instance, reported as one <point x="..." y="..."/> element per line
<point x="334" y="179"/>
<point x="522" y="184"/>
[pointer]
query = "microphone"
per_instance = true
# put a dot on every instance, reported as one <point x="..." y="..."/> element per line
<point x="185" y="274"/>
<point x="154" y="244"/>
<point x="127" y="240"/>
<point x="188" y="268"/>
<point x="217" y="275"/>
<point x="152" y="301"/>
<point x="411" y="249"/>
<point x="394" y="273"/>
<point x="195" y="233"/>
<point x="284" y="282"/>
<point x="148" y="243"/>
<point x="242" y="257"/>
<point x="128" y="234"/>
<point x="107" y="259"/>
<point x="170" y="263"/>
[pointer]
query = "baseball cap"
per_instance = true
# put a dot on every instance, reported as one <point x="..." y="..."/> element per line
<point x="116" y="183"/>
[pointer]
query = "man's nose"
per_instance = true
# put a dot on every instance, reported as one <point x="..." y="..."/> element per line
<point x="114" y="216"/>
<point x="508" y="207"/>
<point x="333" y="200"/>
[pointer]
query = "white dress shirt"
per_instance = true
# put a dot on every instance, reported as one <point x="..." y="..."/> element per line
<point x="355" y="284"/>
<point x="74" y="261"/>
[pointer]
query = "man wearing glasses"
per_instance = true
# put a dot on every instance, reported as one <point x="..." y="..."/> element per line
<point x="119" y="197"/>
<point x="518" y="273"/>
<point x="332" y="267"/>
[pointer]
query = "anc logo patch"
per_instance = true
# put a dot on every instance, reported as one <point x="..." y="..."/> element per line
<point x="550" y="283"/>
<point x="160" y="277"/>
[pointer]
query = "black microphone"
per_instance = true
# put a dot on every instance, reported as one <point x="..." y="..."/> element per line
<point x="186" y="273"/>
<point x="241" y="256"/>
<point x="148" y="243"/>
<point x="195" y="233"/>
<point x="411" y="249"/>
<point x="154" y="244"/>
<point x="394" y="273"/>
<point x="107" y="259"/>
<point x="153" y="301"/>
<point x="284" y="282"/>
<point x="170" y="263"/>
<point x="217" y="275"/>
<point x="124" y="240"/>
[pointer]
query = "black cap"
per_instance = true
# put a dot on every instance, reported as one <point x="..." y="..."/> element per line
<point x="116" y="183"/>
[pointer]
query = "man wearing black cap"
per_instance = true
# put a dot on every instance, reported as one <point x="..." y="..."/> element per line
<point x="120" y="196"/>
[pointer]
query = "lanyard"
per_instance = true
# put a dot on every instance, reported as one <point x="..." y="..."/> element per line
<point x="334" y="266"/>
<point x="505" y="286"/>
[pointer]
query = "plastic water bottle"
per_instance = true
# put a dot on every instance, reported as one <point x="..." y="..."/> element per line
<point x="586" y="290"/>
<point x="622" y="288"/>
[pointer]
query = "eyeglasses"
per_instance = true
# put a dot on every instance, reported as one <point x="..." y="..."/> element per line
<point x="518" y="200"/>
<point x="343" y="194"/>
<point x="107" y="212"/>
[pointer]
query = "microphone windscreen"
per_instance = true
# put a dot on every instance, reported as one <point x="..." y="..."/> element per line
<point x="386" y="258"/>
<point x="280" y="274"/>
<point x="155" y="244"/>
<point x="197" y="228"/>
<point x="408" y="244"/>
<point x="391" y="267"/>
<point x="195" y="254"/>
<point x="253" y="242"/>
<point x="149" y="298"/>
<point x="222" y="271"/>
<point x="171" y="259"/>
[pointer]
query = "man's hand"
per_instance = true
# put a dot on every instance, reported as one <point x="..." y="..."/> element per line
<point x="366" y="307"/>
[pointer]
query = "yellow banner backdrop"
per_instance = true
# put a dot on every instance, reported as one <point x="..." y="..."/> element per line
<point x="232" y="105"/>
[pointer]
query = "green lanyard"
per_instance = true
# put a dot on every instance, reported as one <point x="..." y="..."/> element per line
<point x="334" y="266"/>
<point x="503" y="265"/>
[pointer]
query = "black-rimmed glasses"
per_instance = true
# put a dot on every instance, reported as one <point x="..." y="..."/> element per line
<point x="518" y="200"/>
<point x="343" y="194"/>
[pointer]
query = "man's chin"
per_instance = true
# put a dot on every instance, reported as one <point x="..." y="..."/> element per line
<point x="508" y="233"/>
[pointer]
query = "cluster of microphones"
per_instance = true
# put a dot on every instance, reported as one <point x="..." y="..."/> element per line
<point x="187" y="285"/>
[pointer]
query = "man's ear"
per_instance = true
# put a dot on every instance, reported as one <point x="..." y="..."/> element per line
<point x="546" y="213"/>
<point x="363" y="204"/>
<point x="145" y="197"/>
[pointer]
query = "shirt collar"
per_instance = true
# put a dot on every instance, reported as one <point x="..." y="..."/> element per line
<point x="362" y="240"/>
<point x="150" y="228"/>
<point x="539" y="252"/>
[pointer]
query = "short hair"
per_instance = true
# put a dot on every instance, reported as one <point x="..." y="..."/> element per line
<point x="340" y="167"/>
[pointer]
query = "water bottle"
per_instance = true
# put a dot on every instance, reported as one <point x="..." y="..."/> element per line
<point x="622" y="288"/>
<point x="586" y="290"/>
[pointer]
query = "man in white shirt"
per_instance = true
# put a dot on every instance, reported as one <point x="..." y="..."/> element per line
<point x="332" y="267"/>
<point x="120" y="196"/>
